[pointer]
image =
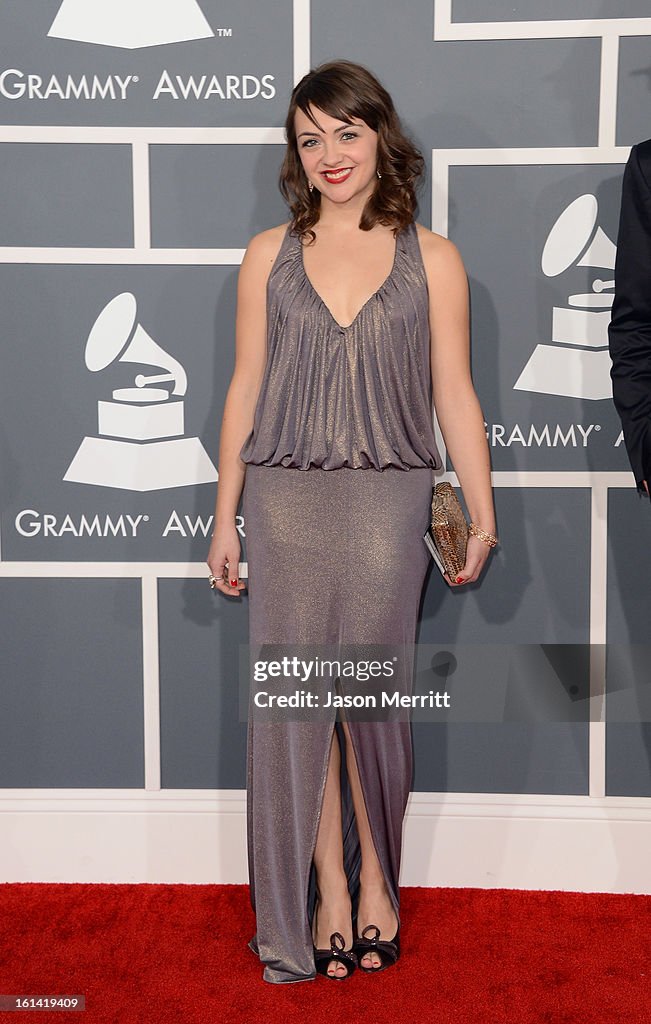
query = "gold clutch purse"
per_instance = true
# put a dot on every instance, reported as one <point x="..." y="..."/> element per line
<point x="448" y="537"/>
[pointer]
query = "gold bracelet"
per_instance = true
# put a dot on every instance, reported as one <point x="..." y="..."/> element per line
<point x="488" y="538"/>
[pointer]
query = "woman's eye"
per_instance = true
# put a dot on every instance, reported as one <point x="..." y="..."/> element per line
<point x="352" y="135"/>
<point x="307" y="143"/>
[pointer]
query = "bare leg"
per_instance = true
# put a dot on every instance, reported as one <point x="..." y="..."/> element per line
<point x="332" y="912"/>
<point x="375" y="905"/>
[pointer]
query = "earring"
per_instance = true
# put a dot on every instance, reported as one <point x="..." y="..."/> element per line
<point x="378" y="174"/>
<point x="310" y="185"/>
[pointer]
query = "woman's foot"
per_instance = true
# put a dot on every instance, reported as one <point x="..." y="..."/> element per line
<point x="332" y="913"/>
<point x="375" y="907"/>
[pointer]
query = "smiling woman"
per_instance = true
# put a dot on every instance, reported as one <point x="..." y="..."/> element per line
<point x="370" y="142"/>
<point x="351" y="318"/>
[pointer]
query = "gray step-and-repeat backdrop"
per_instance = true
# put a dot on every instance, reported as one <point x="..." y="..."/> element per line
<point x="140" y="144"/>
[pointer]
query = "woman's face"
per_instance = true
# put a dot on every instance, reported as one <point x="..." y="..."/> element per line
<point x="339" y="159"/>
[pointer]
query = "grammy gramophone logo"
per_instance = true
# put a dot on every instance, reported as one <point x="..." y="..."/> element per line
<point x="140" y="446"/>
<point x="130" y="23"/>
<point x="575" y="363"/>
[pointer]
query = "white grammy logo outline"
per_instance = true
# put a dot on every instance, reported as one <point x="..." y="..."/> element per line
<point x="130" y="24"/>
<point x="578" y="364"/>
<point x="141" y="445"/>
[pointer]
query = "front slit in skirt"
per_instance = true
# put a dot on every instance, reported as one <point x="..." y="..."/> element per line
<point x="334" y="556"/>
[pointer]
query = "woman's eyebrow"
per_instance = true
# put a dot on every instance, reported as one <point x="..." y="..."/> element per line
<point x="343" y="128"/>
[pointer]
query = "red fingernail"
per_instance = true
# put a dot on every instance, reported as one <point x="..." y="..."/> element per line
<point x="233" y="583"/>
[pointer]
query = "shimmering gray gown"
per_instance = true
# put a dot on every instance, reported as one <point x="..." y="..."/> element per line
<point x="336" y="501"/>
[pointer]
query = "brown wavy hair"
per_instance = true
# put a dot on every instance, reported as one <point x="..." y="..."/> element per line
<point x="346" y="90"/>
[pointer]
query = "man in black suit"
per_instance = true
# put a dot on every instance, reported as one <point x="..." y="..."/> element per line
<point x="629" y="331"/>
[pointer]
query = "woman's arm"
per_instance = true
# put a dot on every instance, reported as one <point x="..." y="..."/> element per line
<point x="457" y="407"/>
<point x="242" y="395"/>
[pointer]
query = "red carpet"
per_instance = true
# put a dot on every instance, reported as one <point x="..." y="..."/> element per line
<point x="178" y="953"/>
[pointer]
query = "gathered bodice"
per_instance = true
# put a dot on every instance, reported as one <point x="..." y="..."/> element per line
<point x="356" y="396"/>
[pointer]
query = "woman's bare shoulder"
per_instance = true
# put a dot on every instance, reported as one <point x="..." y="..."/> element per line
<point x="437" y="250"/>
<point x="259" y="258"/>
<point x="264" y="247"/>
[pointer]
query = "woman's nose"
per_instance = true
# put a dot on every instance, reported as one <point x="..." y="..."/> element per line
<point x="332" y="156"/>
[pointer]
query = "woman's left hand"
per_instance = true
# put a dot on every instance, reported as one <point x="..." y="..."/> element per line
<point x="477" y="553"/>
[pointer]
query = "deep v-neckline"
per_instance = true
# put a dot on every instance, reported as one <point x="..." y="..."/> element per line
<point x="377" y="291"/>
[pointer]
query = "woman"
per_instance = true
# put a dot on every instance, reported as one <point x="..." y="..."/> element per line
<point x="348" y="316"/>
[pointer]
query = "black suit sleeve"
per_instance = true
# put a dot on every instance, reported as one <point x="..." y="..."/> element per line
<point x="629" y="332"/>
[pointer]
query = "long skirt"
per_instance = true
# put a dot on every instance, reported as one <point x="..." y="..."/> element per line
<point x="334" y="557"/>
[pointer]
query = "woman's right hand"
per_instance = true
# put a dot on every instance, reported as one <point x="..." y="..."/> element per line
<point x="224" y="559"/>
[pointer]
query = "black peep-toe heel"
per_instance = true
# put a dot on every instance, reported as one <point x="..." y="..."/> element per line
<point x="388" y="951"/>
<point x="337" y="952"/>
